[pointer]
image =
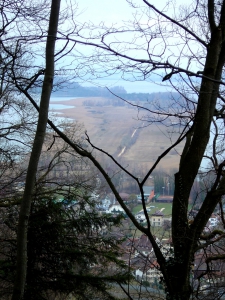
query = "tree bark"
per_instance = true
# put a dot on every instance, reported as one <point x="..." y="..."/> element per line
<point x="20" y="279"/>
<point x="185" y="237"/>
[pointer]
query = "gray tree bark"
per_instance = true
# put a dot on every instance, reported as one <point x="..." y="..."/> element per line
<point x="185" y="237"/>
<point x="20" y="279"/>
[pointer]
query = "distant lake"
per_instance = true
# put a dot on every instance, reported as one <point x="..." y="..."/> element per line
<point x="55" y="106"/>
<point x="62" y="98"/>
<point x="60" y="106"/>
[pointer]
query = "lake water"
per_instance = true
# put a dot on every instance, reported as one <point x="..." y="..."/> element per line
<point x="59" y="106"/>
<point x="58" y="99"/>
<point x="55" y="106"/>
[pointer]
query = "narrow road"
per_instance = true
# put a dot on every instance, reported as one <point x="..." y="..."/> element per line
<point x="122" y="151"/>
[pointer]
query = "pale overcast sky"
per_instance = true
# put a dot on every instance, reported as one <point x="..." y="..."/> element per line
<point x="114" y="12"/>
<point x="104" y="10"/>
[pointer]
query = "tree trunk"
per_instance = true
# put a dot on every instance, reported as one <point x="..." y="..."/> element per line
<point x="185" y="237"/>
<point x="20" y="279"/>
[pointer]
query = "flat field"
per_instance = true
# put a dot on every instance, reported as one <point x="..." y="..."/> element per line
<point x="118" y="130"/>
<point x="166" y="208"/>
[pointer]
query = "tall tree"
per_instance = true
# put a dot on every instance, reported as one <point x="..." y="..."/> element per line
<point x="35" y="153"/>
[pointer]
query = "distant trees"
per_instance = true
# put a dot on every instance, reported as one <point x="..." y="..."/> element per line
<point x="163" y="183"/>
<point x="103" y="102"/>
<point x="17" y="116"/>
<point x="159" y="184"/>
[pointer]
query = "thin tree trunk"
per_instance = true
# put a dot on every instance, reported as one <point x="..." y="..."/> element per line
<point x="20" y="279"/>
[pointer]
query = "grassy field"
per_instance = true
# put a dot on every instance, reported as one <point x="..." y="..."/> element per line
<point x="109" y="127"/>
<point x="166" y="208"/>
<point x="137" y="209"/>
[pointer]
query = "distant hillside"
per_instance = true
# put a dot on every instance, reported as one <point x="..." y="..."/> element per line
<point x="116" y="129"/>
<point x="74" y="89"/>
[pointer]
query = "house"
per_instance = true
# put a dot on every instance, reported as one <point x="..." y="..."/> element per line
<point x="125" y="197"/>
<point x="146" y="269"/>
<point x="104" y="204"/>
<point x="157" y="219"/>
<point x="143" y="246"/>
<point x="213" y="221"/>
<point x="164" y="199"/>
<point x="138" y="253"/>
<point x="115" y="209"/>
<point x="140" y="217"/>
<point x="216" y="272"/>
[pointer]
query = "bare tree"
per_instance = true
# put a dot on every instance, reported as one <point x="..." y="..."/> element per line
<point x="35" y="154"/>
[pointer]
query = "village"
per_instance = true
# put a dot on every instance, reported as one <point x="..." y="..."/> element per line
<point x="137" y="250"/>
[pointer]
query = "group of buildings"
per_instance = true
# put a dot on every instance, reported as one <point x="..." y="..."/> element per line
<point x="109" y="205"/>
<point x="139" y="255"/>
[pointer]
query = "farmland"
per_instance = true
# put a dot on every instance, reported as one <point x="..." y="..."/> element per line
<point x="119" y="130"/>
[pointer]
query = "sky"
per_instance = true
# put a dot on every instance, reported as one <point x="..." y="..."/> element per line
<point x="104" y="10"/>
<point x="114" y="12"/>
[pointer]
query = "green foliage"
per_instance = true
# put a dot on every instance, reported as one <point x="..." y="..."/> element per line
<point x="70" y="251"/>
<point x="158" y="183"/>
<point x="133" y="197"/>
<point x="146" y="283"/>
<point x="164" y="180"/>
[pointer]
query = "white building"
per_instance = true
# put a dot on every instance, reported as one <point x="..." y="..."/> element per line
<point x="115" y="208"/>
